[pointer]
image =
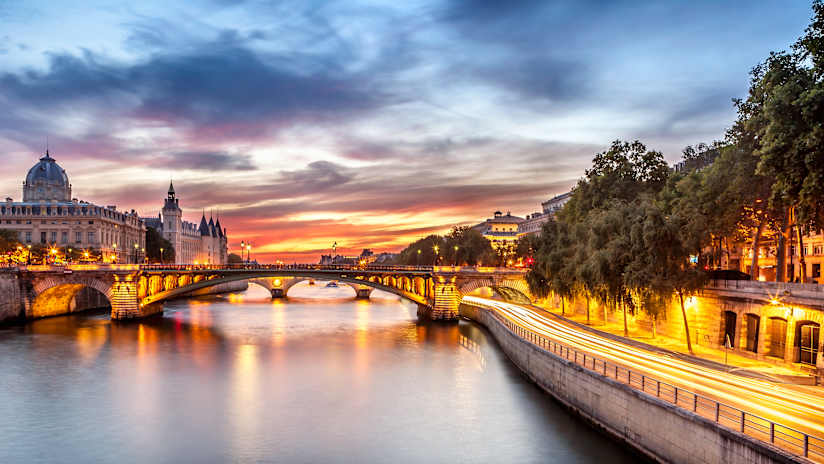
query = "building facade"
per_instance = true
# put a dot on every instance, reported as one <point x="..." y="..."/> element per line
<point x="206" y="243"/>
<point x="48" y="215"/>
<point x="501" y="229"/>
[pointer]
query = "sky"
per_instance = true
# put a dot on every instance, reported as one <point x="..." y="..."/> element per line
<point x="369" y="124"/>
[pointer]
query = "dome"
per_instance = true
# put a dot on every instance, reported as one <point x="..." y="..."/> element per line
<point x="46" y="180"/>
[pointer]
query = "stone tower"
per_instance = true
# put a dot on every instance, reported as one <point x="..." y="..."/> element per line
<point x="172" y="220"/>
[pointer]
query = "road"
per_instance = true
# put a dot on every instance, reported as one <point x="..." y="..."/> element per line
<point x="781" y="403"/>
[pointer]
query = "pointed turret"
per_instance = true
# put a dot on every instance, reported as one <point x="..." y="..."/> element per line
<point x="204" y="226"/>
<point x="219" y="228"/>
<point x="171" y="190"/>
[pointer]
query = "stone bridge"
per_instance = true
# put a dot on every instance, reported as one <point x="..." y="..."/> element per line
<point x="136" y="291"/>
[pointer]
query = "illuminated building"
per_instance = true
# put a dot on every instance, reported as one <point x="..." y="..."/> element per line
<point x="206" y="243"/>
<point x="48" y="215"/>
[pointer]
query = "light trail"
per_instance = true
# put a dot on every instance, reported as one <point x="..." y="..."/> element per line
<point x="777" y="402"/>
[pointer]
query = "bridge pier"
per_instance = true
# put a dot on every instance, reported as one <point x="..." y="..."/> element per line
<point x="446" y="301"/>
<point x="363" y="293"/>
<point x="278" y="293"/>
<point x="125" y="304"/>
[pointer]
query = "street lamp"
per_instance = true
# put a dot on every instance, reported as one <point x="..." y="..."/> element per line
<point x="114" y="255"/>
<point x="69" y="258"/>
<point x="161" y="256"/>
<point x="248" y="253"/>
<point x="456" y="255"/>
<point x="28" y="256"/>
<point x="135" y="253"/>
<point x="436" y="254"/>
<point x="242" y="247"/>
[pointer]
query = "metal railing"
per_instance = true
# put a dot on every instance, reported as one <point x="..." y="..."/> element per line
<point x="784" y="437"/>
<point x="274" y="267"/>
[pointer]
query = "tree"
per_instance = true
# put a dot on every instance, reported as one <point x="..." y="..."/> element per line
<point x="472" y="247"/>
<point x="234" y="258"/>
<point x="624" y="172"/>
<point x="8" y="240"/>
<point x="154" y="243"/>
<point x="780" y="124"/>
<point x="660" y="266"/>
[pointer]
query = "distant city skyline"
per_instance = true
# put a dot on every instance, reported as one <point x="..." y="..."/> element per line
<point x="366" y="124"/>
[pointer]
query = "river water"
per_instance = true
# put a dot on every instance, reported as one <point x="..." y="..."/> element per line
<point x="318" y="378"/>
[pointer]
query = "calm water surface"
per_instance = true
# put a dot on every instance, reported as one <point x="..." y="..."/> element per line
<point x="240" y="378"/>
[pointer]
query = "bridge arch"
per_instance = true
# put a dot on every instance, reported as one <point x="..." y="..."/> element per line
<point x="516" y="291"/>
<point x="54" y="297"/>
<point x="394" y="288"/>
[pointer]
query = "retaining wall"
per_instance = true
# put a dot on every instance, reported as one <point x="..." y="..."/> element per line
<point x="12" y="307"/>
<point x="656" y="428"/>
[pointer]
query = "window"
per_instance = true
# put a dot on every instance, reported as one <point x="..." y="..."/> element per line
<point x="816" y="270"/>
<point x="54" y="237"/>
<point x="28" y="237"/>
<point x="64" y="237"/>
<point x="78" y="237"/>
<point x="42" y="237"/>
<point x="91" y="237"/>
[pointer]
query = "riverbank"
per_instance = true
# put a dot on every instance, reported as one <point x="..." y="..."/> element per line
<point x="662" y="430"/>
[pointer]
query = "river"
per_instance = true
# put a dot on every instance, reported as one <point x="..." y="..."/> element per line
<point x="317" y="378"/>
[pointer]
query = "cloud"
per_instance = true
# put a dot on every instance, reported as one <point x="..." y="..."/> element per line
<point x="205" y="161"/>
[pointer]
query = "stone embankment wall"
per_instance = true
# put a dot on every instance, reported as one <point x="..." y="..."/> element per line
<point x="655" y="428"/>
<point x="12" y="307"/>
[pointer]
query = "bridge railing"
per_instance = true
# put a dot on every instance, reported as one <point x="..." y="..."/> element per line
<point x="755" y="426"/>
<point x="271" y="267"/>
<point x="285" y="267"/>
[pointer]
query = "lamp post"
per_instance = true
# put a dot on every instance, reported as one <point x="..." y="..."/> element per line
<point x="28" y="256"/>
<point x="161" y="256"/>
<point x="69" y="255"/>
<point x="418" y="259"/>
<point x="135" y="253"/>
<point x="242" y="247"/>
<point x="114" y="256"/>
<point x="145" y="258"/>
<point x="456" y="255"/>
<point x="435" y="262"/>
<point x="248" y="253"/>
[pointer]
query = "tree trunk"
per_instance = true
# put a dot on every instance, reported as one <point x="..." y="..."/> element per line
<point x="587" y="296"/>
<point x="686" y="324"/>
<point x="605" y="314"/>
<point x="802" y="264"/>
<point x="624" y="309"/>
<point x="755" y="271"/>
<point x="781" y="251"/>
<point x="654" y="325"/>
<point x="562" y="306"/>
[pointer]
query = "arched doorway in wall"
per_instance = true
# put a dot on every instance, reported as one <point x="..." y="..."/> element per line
<point x="730" y="319"/>
<point x="806" y="336"/>
<point x="753" y="321"/>
<point x="778" y="337"/>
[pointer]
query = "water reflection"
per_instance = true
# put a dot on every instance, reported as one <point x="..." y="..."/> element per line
<point x="243" y="378"/>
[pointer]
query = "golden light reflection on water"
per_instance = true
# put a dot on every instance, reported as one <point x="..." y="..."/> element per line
<point x="245" y="396"/>
<point x="278" y="322"/>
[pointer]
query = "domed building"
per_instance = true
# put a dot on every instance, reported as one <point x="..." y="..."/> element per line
<point x="47" y="181"/>
<point x="48" y="215"/>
